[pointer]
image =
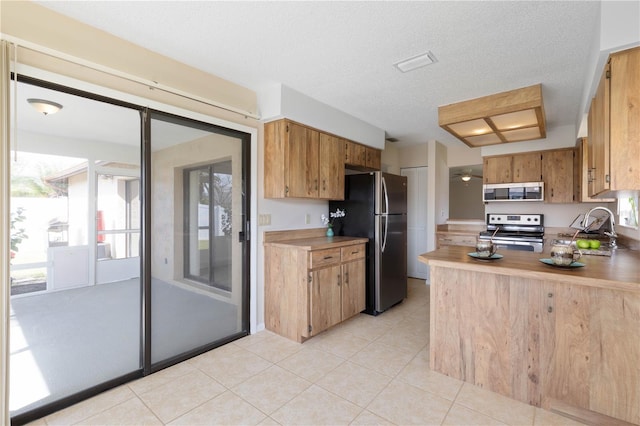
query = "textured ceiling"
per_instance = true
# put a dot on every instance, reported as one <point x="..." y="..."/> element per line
<point x="342" y="53"/>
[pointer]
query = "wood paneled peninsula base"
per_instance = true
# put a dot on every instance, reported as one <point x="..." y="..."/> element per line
<point x="567" y="340"/>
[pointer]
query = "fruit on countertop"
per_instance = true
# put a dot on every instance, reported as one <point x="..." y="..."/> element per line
<point x="584" y="244"/>
<point x="594" y="244"/>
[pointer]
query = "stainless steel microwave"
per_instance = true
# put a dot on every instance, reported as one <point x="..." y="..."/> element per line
<point x="524" y="191"/>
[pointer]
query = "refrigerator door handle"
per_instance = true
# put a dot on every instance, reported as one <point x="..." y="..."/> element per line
<point x="384" y="232"/>
<point x="385" y="195"/>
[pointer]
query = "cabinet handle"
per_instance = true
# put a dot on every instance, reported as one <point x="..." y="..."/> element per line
<point x="324" y="185"/>
<point x="346" y="278"/>
<point x="328" y="257"/>
<point x="339" y="283"/>
<point x="551" y="192"/>
<point x="550" y="295"/>
<point x="549" y="309"/>
<point x="316" y="181"/>
<point x="355" y="252"/>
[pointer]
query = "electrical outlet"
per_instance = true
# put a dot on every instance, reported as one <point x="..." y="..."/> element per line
<point x="264" y="219"/>
<point x="307" y="219"/>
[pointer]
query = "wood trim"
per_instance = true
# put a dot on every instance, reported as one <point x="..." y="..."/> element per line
<point x="581" y="414"/>
<point x="499" y="103"/>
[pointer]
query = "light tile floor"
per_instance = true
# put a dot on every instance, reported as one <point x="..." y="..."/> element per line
<point x="366" y="371"/>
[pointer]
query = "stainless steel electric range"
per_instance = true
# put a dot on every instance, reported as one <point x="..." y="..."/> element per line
<point x="523" y="232"/>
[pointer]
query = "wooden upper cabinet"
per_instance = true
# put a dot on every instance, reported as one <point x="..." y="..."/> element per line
<point x="582" y="174"/>
<point x="557" y="175"/>
<point x="614" y="126"/>
<point x="373" y="159"/>
<point x="527" y="167"/>
<point x="624" y="125"/>
<point x="355" y="154"/>
<point x="599" y="136"/>
<point x="497" y="169"/>
<point x="301" y="162"/>
<point x="361" y="157"/>
<point x="331" y="175"/>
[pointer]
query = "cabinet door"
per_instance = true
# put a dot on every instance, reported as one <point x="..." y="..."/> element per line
<point x="302" y="160"/>
<point x="356" y="155"/>
<point x="497" y="169"/>
<point x="527" y="167"/>
<point x="353" y="288"/>
<point x="331" y="166"/>
<point x="324" y="299"/>
<point x="557" y="175"/>
<point x="373" y="159"/>
<point x="582" y="173"/>
<point x="275" y="135"/>
<point x="624" y="140"/>
<point x="599" y="139"/>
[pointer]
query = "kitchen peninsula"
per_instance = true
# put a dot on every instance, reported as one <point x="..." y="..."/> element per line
<point x="567" y="340"/>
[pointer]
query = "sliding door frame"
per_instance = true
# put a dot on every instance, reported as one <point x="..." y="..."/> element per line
<point x="249" y="304"/>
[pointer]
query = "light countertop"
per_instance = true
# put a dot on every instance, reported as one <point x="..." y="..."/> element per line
<point x="620" y="271"/>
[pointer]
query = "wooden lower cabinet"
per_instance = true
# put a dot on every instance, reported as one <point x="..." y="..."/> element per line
<point x="455" y="239"/>
<point x="567" y="348"/>
<point x="325" y="308"/>
<point x="353" y="288"/>
<point x="309" y="291"/>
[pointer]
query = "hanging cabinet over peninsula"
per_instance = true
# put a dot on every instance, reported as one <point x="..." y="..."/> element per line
<point x="614" y="126"/>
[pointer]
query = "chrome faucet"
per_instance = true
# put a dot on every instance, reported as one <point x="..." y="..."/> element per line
<point x="612" y="235"/>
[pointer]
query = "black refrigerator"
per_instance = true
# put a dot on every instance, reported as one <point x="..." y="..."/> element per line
<point x="376" y="208"/>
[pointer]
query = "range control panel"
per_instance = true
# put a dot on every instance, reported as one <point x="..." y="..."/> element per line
<point x="515" y="219"/>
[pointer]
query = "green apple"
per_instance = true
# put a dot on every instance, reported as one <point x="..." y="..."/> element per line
<point x="594" y="244"/>
<point x="583" y="244"/>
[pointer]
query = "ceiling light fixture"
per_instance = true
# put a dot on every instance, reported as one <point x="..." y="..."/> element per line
<point x="416" y="62"/>
<point x="45" y="107"/>
<point x="466" y="178"/>
<point x="513" y="116"/>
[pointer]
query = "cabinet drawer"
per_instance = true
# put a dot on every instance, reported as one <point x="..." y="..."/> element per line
<point x="352" y="252"/>
<point x="320" y="258"/>
<point x="456" y="240"/>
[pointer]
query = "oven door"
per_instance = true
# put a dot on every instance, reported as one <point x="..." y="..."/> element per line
<point x="515" y="244"/>
<point x="519" y="245"/>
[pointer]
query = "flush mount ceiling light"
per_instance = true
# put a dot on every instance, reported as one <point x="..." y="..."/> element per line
<point x="513" y="116"/>
<point x="44" y="106"/>
<point x="466" y="178"/>
<point x="416" y="62"/>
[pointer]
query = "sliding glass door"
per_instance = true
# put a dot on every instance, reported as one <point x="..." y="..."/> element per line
<point x="75" y="267"/>
<point x="128" y="244"/>
<point x="199" y="253"/>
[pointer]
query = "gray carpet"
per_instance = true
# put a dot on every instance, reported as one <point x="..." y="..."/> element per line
<point x="82" y="337"/>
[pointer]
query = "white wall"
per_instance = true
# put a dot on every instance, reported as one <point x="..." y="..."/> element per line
<point x="390" y="159"/>
<point x="555" y="215"/>
<point x="463" y="156"/>
<point x="281" y="101"/>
